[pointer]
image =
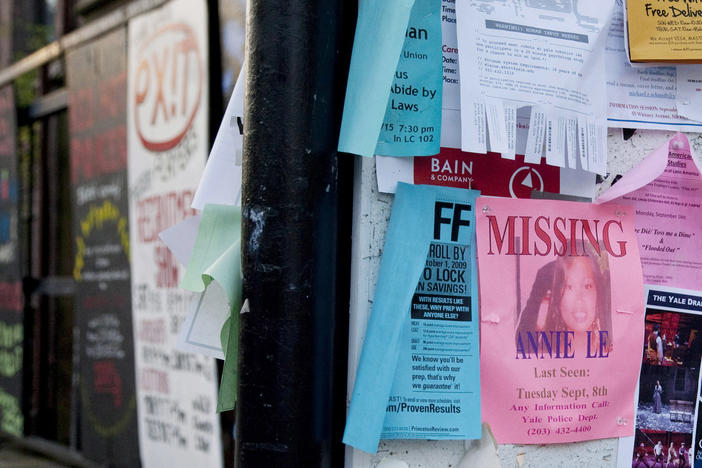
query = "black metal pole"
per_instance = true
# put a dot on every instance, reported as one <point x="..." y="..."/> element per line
<point x="292" y="359"/>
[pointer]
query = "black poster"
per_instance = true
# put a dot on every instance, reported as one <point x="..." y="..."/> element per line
<point x="11" y="300"/>
<point x="97" y="124"/>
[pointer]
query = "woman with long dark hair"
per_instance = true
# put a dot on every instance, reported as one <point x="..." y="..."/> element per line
<point x="571" y="293"/>
<point x="657" y="402"/>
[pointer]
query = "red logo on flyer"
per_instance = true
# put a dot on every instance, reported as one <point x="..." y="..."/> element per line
<point x="489" y="173"/>
<point x="168" y="87"/>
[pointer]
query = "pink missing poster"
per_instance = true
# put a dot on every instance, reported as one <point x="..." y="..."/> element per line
<point x="562" y="308"/>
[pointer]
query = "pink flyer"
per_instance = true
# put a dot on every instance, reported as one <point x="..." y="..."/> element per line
<point x="665" y="191"/>
<point x="561" y="313"/>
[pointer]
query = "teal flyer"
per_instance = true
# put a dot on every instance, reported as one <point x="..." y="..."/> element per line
<point x="412" y="123"/>
<point x="418" y="375"/>
<point x="377" y="45"/>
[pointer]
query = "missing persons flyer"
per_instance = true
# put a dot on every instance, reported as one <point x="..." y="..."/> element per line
<point x="561" y="313"/>
<point x="418" y="375"/>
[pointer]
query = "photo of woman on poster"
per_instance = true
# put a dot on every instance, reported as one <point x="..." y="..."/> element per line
<point x="571" y="293"/>
<point x="561" y="291"/>
<point x="656" y="346"/>
<point x="666" y="399"/>
<point x="657" y="402"/>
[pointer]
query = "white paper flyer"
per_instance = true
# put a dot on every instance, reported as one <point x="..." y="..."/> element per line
<point x="167" y="94"/>
<point x="641" y="97"/>
<point x="545" y="55"/>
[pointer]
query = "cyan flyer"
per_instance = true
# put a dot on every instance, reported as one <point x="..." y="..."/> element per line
<point x="436" y="390"/>
<point x="418" y="376"/>
<point x="393" y="95"/>
<point x="412" y="122"/>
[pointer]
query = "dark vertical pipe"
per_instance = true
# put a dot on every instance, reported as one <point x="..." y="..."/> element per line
<point x="293" y="341"/>
<point x="216" y="106"/>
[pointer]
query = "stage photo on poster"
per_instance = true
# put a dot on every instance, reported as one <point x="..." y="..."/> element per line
<point x="661" y="449"/>
<point x="669" y="382"/>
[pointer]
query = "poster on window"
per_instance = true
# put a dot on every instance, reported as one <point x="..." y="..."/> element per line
<point x="97" y="122"/>
<point x="11" y="297"/>
<point x="167" y="132"/>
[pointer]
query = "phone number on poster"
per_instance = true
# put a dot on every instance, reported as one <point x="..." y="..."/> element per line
<point x="534" y="431"/>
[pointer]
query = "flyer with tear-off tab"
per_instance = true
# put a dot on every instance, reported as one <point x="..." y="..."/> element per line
<point x="546" y="55"/>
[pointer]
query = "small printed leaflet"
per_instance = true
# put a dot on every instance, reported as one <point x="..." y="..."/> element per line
<point x="689" y="91"/>
<point x="663" y="191"/>
<point x="214" y="271"/>
<point x="412" y="124"/>
<point x="451" y="96"/>
<point x="664" y="31"/>
<point x="377" y="45"/>
<point x="641" y="97"/>
<point x="393" y="94"/>
<point x="221" y="181"/>
<point x="418" y="375"/>
<point x="561" y="312"/>
<point x="491" y="174"/>
<point x="544" y="55"/>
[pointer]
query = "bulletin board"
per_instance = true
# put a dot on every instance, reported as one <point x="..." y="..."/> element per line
<point x="371" y="214"/>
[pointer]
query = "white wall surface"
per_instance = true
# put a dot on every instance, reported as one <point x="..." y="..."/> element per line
<point x="370" y="219"/>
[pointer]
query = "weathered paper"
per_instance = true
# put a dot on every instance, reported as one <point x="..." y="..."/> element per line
<point x="544" y="55"/>
<point x="664" y="193"/>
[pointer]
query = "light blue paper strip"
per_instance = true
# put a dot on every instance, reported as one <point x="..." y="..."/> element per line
<point x="380" y="35"/>
<point x="408" y="237"/>
<point x="436" y="388"/>
<point x="402" y="263"/>
<point x="412" y="123"/>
